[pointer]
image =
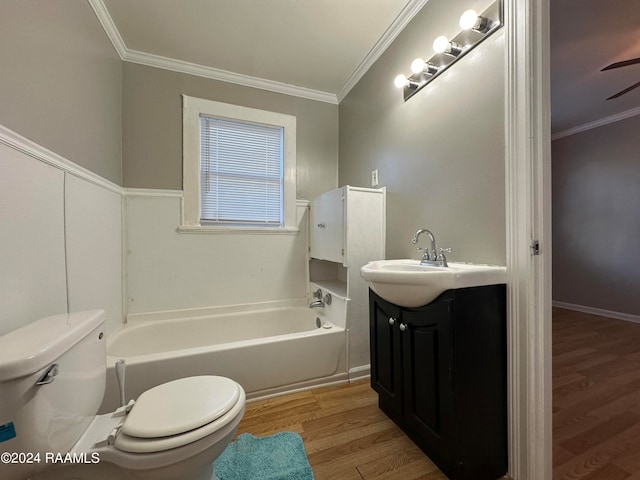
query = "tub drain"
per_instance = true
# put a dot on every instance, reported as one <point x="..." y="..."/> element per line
<point x="318" y="322"/>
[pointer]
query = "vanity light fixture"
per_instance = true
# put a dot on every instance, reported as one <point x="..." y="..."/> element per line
<point x="442" y="45"/>
<point x="420" y="66"/>
<point x="475" y="29"/>
<point x="470" y="20"/>
<point x="405" y="82"/>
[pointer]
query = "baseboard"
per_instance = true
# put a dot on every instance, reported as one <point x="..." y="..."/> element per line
<point x="358" y="373"/>
<point x="598" y="311"/>
<point x="336" y="379"/>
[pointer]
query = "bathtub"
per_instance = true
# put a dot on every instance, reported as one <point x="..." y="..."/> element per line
<point x="266" y="350"/>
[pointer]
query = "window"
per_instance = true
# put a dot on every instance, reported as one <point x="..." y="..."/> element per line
<point x="238" y="167"/>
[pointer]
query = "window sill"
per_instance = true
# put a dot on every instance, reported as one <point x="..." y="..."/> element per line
<point x="213" y="230"/>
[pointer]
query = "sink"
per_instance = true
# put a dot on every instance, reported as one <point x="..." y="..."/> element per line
<point x="408" y="284"/>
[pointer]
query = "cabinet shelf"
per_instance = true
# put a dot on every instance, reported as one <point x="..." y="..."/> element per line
<point x="346" y="231"/>
<point x="335" y="287"/>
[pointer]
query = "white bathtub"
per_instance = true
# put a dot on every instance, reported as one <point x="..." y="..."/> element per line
<point x="267" y="350"/>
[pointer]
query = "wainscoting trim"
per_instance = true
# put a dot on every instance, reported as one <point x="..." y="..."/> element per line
<point x="28" y="147"/>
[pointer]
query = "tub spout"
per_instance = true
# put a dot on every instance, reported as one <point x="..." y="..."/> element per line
<point x="316" y="304"/>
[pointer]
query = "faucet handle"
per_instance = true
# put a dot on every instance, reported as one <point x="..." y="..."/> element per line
<point x="441" y="256"/>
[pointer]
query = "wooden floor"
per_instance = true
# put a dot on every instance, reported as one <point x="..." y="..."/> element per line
<point x="345" y="435"/>
<point x="596" y="397"/>
<point x="596" y="414"/>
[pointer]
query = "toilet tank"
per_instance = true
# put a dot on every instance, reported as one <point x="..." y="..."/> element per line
<point x="49" y="418"/>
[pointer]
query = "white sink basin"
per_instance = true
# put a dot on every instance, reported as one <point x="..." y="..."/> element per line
<point x="408" y="284"/>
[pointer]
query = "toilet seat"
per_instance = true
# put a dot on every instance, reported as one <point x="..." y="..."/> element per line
<point x="179" y="412"/>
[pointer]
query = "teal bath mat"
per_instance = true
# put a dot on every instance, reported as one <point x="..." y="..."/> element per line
<point x="278" y="457"/>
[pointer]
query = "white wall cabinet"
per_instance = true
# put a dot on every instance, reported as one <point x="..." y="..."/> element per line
<point x="347" y="230"/>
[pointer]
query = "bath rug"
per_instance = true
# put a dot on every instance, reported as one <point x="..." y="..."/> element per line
<point x="278" y="457"/>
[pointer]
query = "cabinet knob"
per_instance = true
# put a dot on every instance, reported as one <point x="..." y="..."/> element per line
<point x="392" y="321"/>
<point x="403" y="327"/>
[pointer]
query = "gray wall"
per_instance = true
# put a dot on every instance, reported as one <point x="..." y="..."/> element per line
<point x="596" y="217"/>
<point x="61" y="82"/>
<point x="440" y="154"/>
<point x="152" y="119"/>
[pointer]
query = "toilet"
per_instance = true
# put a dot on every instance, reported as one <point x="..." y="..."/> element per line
<point x="52" y="380"/>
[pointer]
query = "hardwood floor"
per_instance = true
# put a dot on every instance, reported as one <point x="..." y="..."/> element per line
<point x="596" y="397"/>
<point x="345" y="435"/>
<point x="596" y="414"/>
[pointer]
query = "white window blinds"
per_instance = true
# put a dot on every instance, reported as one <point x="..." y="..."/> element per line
<point x="241" y="172"/>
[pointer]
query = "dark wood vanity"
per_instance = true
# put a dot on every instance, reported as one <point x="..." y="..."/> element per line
<point x="440" y="372"/>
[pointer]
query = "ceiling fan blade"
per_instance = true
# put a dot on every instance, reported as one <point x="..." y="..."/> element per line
<point x="626" y="90"/>
<point x="623" y="63"/>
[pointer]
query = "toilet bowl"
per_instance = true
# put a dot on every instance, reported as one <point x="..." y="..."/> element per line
<point x="52" y="378"/>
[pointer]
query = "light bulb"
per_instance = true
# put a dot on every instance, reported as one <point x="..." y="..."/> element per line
<point x="468" y="19"/>
<point x="417" y="66"/>
<point x="401" y="81"/>
<point x="440" y="44"/>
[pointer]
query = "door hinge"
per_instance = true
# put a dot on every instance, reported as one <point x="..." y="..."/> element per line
<point x="535" y="247"/>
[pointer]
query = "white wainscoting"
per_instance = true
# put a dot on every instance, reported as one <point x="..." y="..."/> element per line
<point x="32" y="260"/>
<point x="60" y="237"/>
<point x="94" y="249"/>
<point x="171" y="270"/>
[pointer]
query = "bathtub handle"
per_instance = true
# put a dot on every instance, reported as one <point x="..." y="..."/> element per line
<point x="49" y="375"/>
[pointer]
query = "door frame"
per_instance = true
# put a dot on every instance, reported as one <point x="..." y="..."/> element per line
<point x="528" y="219"/>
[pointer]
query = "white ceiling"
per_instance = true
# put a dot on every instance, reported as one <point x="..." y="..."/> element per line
<point x="319" y="49"/>
<point x="317" y="45"/>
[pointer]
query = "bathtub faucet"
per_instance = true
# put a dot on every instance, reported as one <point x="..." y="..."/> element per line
<point x="320" y="302"/>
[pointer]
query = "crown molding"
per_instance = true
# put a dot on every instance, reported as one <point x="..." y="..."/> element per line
<point x="174" y="65"/>
<point x="597" y="123"/>
<point x="404" y="17"/>
<point x="180" y="66"/>
<point x="109" y="27"/>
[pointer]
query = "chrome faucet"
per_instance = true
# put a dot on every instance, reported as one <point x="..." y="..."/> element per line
<point x="431" y="256"/>
<point x="320" y="302"/>
<point x="427" y="255"/>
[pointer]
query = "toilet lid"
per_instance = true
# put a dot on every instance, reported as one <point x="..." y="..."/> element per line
<point x="176" y="407"/>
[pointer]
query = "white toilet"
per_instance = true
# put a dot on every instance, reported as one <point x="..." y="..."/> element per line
<point x="52" y="380"/>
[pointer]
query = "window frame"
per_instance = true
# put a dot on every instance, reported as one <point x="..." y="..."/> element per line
<point x="192" y="108"/>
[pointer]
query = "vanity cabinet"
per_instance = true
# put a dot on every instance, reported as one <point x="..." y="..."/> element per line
<point x="440" y="372"/>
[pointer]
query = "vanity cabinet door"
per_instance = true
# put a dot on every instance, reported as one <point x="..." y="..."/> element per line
<point x="428" y="377"/>
<point x="386" y="355"/>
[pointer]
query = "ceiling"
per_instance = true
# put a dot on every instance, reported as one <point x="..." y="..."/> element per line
<point x="319" y="49"/>
<point x="315" y="46"/>
<point x="587" y="35"/>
